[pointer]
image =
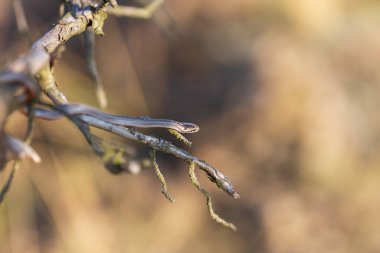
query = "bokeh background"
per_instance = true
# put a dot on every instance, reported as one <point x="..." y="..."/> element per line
<point x="287" y="95"/>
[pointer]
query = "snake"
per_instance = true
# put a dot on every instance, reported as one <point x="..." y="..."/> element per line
<point x="80" y="109"/>
<point x="138" y="122"/>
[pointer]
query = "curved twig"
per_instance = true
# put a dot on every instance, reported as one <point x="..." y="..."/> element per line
<point x="164" y="187"/>
<point x="89" y="41"/>
<point x="214" y="216"/>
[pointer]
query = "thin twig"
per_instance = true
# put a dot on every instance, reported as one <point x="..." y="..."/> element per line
<point x="67" y="27"/>
<point x="4" y="190"/>
<point x="136" y="12"/>
<point x="180" y="137"/>
<point x="164" y="187"/>
<point x="22" y="24"/>
<point x="89" y="40"/>
<point x="214" y="216"/>
<point x="16" y="164"/>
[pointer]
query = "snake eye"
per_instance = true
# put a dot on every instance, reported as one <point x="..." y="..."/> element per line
<point x="212" y="179"/>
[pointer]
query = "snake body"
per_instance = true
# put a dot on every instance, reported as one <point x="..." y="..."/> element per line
<point x="139" y="122"/>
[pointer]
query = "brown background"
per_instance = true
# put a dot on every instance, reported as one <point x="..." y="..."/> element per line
<point x="287" y="95"/>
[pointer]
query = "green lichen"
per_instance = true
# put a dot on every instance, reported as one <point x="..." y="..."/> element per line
<point x="164" y="187"/>
<point x="180" y="137"/>
<point x="214" y="216"/>
<point x="97" y="22"/>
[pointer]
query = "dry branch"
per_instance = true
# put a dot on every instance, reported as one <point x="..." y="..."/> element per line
<point x="23" y="78"/>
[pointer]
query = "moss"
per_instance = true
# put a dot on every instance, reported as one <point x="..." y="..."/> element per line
<point x="97" y="22"/>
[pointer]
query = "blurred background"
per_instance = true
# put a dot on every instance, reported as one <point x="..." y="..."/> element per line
<point x="286" y="94"/>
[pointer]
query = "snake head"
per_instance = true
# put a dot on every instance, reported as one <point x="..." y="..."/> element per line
<point x="189" y="127"/>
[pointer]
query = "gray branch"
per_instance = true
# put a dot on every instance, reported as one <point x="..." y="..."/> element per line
<point x="164" y="146"/>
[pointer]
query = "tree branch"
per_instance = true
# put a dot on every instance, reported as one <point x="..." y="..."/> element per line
<point x="38" y="63"/>
<point x="165" y="146"/>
